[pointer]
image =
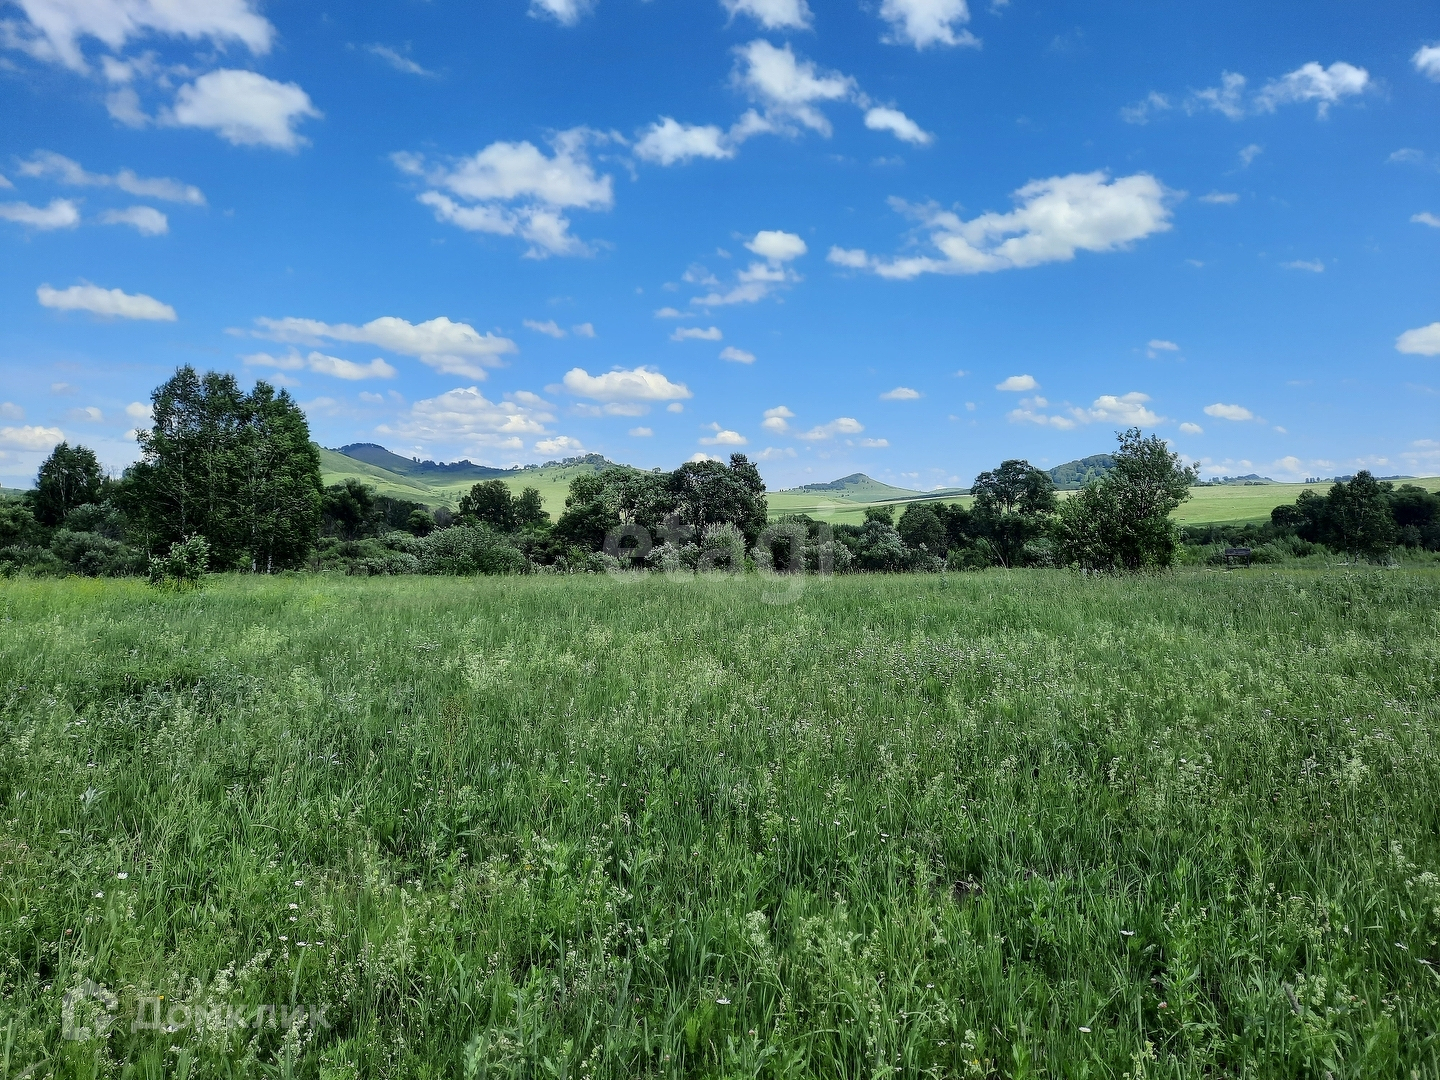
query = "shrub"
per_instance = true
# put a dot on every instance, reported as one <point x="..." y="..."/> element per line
<point x="466" y="551"/>
<point x="184" y="567"/>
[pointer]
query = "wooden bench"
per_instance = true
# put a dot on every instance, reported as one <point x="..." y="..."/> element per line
<point x="1237" y="555"/>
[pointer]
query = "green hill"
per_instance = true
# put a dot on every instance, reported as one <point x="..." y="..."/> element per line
<point x="1074" y="475"/>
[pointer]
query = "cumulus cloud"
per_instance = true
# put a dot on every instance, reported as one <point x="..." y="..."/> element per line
<point x="670" y="313"/>
<point x="322" y="364"/>
<point x="722" y="437"/>
<point x="515" y="189"/>
<point x="465" y="417"/>
<point x="640" y="384"/>
<point x="1055" y="218"/>
<point x="140" y="410"/>
<point x="668" y="142"/>
<point x="1018" y="383"/>
<point x="841" y="425"/>
<point x="872" y="444"/>
<point x="1192" y="429"/>
<point x="1126" y="410"/>
<point x="759" y="279"/>
<point x="244" y="108"/>
<point x="1220" y="198"/>
<point x="696" y="333"/>
<point x="788" y="88"/>
<point x="455" y="348"/>
<point x="737" y="356"/>
<point x="776" y="419"/>
<point x="30" y="437"/>
<point x="1222" y="411"/>
<point x="1426" y="218"/>
<point x="1422" y="341"/>
<point x="1313" y="266"/>
<point x="900" y="125"/>
<point x="641" y="432"/>
<point x="565" y="12"/>
<point x="549" y="327"/>
<point x="584" y="329"/>
<point x="1146" y="108"/>
<point x="60" y="214"/>
<point x="1427" y="61"/>
<point x="1160" y="345"/>
<point x="927" y="22"/>
<point x="108" y="302"/>
<point x="54" y="28"/>
<point x="900" y="393"/>
<point x="1309" y="82"/>
<point x="850" y="258"/>
<point x="560" y="444"/>
<point x="1250" y="153"/>
<point x="774" y="453"/>
<point x="776" y="245"/>
<point x="50" y="165"/>
<point x="145" y="220"/>
<point x="772" y="14"/>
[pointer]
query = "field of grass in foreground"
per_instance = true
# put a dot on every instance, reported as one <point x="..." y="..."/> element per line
<point x="998" y="824"/>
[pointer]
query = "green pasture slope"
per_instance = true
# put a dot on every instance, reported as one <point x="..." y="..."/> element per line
<point x="553" y="483"/>
<point x="1226" y="505"/>
<point x="981" y="825"/>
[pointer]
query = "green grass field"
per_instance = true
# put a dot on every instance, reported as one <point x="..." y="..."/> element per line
<point x="553" y="483"/>
<point x="997" y="824"/>
<point x="1229" y="505"/>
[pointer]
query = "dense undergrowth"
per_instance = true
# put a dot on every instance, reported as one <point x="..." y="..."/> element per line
<point x="992" y="824"/>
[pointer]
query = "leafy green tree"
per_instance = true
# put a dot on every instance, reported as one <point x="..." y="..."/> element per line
<point x="420" y="523"/>
<point x="1359" y="518"/>
<point x="879" y="548"/>
<point x="280" y="495"/>
<point x="709" y="493"/>
<point x="68" y="478"/>
<point x="348" y="509"/>
<point x="921" y="529"/>
<point x="491" y="503"/>
<point x="530" y="510"/>
<point x="880" y="513"/>
<point x="1417" y="516"/>
<point x="1013" y="505"/>
<point x="1122" y="520"/>
<point x="17" y="523"/>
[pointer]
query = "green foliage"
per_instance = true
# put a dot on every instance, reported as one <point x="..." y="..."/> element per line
<point x="17" y="523"/>
<point x="1358" y="516"/>
<point x="466" y="551"/>
<point x="68" y="478"/>
<point x="546" y="826"/>
<point x="1364" y="518"/>
<point x="921" y="529"/>
<point x="1013" y="507"/>
<point x="490" y="503"/>
<point x="530" y="512"/>
<point x="1122" y="521"/>
<point x="184" y="566"/>
<point x="1074" y="475"/>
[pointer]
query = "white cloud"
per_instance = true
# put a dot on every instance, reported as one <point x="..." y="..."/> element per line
<point x="47" y="163"/>
<point x="641" y="432"/>
<point x="1426" y="218"/>
<point x="772" y="14"/>
<point x="145" y="220"/>
<point x="111" y="302"/>
<point x="514" y="189"/>
<point x="842" y="425"/>
<point x="737" y="356"/>
<point x="638" y="384"/>
<point x="775" y="419"/>
<point x="675" y="407"/>
<point x="348" y="369"/>
<point x="700" y="455"/>
<point x="140" y="410"/>
<point x="773" y="453"/>
<point x="550" y="328"/>
<point x="1141" y="112"/>
<point x="667" y="142"/>
<point x="10" y="411"/>
<point x="927" y="22"/>
<point x="30" y="437"/>
<point x="1055" y="219"/>
<point x="722" y="437"/>
<point x="853" y="259"/>
<point x="89" y="414"/>
<point x="4" y="182"/>
<point x="244" y="108"/>
<point x="789" y="89"/>
<point x="464" y="416"/>
<point x="565" y="12"/>
<point x="1422" y="341"/>
<point x="1229" y="412"/>
<point x="1160" y="345"/>
<point x="900" y="393"/>
<point x="1127" y="410"/>
<point x="584" y="329"/>
<point x="1192" y="429"/>
<point x="776" y="245"/>
<point x="896" y="122"/>
<point x="1249" y="154"/>
<point x="695" y="333"/>
<point x="872" y="444"/>
<point x="1018" y="383"/>
<point x="455" y="348"/>
<point x="670" y="313"/>
<point x="1427" y="61"/>
<point x="1309" y="82"/>
<point x="560" y="444"/>
<point x="1314" y="266"/>
<point x="1220" y="198"/>
<point x="55" y="27"/>
<point x="60" y="214"/>
<point x="399" y="61"/>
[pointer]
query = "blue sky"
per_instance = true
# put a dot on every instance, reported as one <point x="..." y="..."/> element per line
<point x="905" y="237"/>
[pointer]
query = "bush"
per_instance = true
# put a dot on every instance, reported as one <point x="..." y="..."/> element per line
<point x="184" y="567"/>
<point x="466" y="551"/>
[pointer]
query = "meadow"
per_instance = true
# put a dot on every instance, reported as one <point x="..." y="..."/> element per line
<point x="967" y="825"/>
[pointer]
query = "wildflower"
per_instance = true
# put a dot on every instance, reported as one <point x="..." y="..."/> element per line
<point x="284" y="938"/>
<point x="122" y="875"/>
<point x="1084" y="1029"/>
<point x="294" y="907"/>
<point x="1127" y="933"/>
<point x="722" y="1001"/>
<point x="100" y="895"/>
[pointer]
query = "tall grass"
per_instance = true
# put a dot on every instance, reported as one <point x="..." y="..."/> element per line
<point x="1022" y="824"/>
